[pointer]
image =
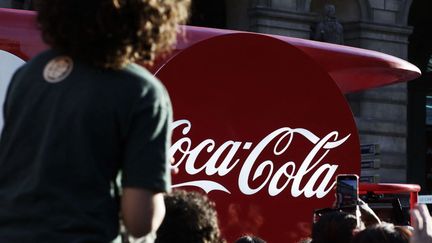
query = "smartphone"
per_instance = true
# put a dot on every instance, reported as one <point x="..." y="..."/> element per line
<point x="347" y="191"/>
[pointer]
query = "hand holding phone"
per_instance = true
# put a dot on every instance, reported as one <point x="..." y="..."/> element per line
<point x="347" y="195"/>
<point x="347" y="192"/>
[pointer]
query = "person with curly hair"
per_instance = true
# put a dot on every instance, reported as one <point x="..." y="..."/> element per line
<point x="335" y="226"/>
<point x="82" y="112"/>
<point x="383" y="233"/>
<point x="190" y="217"/>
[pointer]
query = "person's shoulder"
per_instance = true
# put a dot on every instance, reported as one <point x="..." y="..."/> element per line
<point x="43" y="57"/>
<point x="39" y="60"/>
<point x="141" y="75"/>
<point x="144" y="81"/>
<point x="32" y="64"/>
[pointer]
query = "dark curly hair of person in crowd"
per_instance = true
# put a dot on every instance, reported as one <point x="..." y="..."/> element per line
<point x="383" y="233"/>
<point x="334" y="227"/>
<point x="111" y="33"/>
<point x="190" y="217"/>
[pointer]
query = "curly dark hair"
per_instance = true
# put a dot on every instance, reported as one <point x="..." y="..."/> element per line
<point x="111" y="33"/>
<point x="383" y="233"/>
<point x="335" y="227"/>
<point x="190" y="217"/>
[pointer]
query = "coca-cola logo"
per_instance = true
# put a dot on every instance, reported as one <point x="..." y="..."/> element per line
<point x="287" y="173"/>
<point x="261" y="129"/>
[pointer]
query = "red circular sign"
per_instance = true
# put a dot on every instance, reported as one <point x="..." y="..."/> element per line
<point x="264" y="135"/>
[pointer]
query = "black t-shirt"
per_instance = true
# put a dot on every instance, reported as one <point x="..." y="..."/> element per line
<point x="69" y="129"/>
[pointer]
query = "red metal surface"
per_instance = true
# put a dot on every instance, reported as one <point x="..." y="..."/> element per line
<point x="351" y="68"/>
<point x="388" y="188"/>
<point x="19" y="34"/>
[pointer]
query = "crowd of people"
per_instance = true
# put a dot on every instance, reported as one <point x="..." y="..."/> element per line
<point x="191" y="217"/>
<point x="341" y="227"/>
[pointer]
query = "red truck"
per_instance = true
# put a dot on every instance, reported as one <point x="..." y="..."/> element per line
<point x="261" y="122"/>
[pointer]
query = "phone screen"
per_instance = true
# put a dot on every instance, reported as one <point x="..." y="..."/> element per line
<point x="347" y="191"/>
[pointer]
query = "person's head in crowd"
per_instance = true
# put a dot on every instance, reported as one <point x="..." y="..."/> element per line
<point x="250" y="239"/>
<point x="190" y="217"/>
<point x="111" y="34"/>
<point x="383" y="233"/>
<point x="334" y="227"/>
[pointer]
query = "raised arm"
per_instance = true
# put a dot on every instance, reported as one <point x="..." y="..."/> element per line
<point x="422" y="222"/>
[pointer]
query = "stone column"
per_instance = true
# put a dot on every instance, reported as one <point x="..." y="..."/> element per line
<point x="381" y="113"/>
<point x="281" y="17"/>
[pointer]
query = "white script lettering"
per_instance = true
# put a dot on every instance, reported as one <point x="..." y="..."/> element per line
<point x="287" y="174"/>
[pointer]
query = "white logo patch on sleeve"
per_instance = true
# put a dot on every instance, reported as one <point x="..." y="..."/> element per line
<point x="58" y="69"/>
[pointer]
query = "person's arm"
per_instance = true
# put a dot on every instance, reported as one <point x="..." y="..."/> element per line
<point x="145" y="166"/>
<point x="368" y="216"/>
<point x="142" y="211"/>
